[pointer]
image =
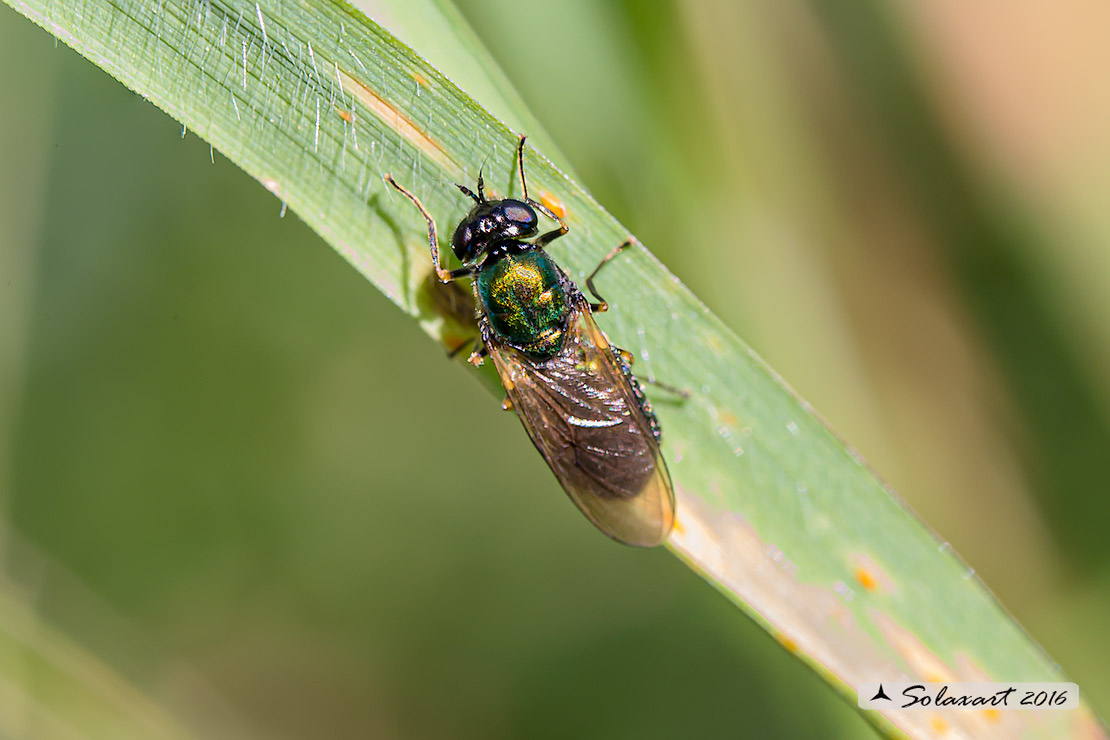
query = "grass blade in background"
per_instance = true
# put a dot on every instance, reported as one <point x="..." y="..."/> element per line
<point x="996" y="255"/>
<point x="50" y="686"/>
<point x="317" y="103"/>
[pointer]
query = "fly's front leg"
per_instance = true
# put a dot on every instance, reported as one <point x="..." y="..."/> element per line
<point x="445" y="276"/>
<point x="543" y="239"/>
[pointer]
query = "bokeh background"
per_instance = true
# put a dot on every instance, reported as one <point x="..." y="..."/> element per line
<point x="244" y="495"/>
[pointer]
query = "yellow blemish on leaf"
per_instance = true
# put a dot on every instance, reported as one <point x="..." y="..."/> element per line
<point x="346" y="115"/>
<point x="866" y="579"/>
<point x="397" y="121"/>
<point x="786" y="642"/>
<point x="553" y="204"/>
<point x="272" y="185"/>
<point x="822" y="629"/>
<point x="420" y="79"/>
<point x="870" y="575"/>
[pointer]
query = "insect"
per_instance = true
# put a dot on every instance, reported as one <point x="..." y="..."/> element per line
<point x="574" y="392"/>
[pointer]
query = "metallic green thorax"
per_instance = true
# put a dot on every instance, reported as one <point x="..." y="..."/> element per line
<point x="524" y="298"/>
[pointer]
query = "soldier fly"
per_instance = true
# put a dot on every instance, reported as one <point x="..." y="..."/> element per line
<point x="573" y="390"/>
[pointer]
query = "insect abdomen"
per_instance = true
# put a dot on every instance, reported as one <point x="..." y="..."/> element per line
<point x="524" y="298"/>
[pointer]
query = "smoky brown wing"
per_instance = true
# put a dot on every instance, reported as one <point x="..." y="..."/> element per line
<point x="582" y="414"/>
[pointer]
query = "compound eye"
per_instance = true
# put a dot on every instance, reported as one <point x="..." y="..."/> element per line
<point x="520" y="213"/>
<point x="460" y="243"/>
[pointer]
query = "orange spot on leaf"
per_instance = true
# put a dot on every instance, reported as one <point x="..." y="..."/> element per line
<point x="786" y="642"/>
<point x="553" y="204"/>
<point x="866" y="579"/>
<point x="397" y="121"/>
<point x="870" y="574"/>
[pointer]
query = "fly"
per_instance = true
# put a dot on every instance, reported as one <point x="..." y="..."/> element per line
<point x="573" y="390"/>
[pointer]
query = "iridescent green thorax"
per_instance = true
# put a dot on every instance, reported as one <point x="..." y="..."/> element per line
<point x="525" y="300"/>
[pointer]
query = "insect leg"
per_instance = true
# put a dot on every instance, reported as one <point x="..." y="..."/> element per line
<point x="681" y="393"/>
<point x="445" y="276"/>
<point x="478" y="356"/>
<point x="602" y="304"/>
<point x="459" y="350"/>
<point x="543" y="239"/>
<point x="520" y="165"/>
<point x="628" y="358"/>
<point x="455" y="274"/>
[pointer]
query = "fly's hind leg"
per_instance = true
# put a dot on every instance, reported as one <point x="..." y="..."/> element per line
<point x="627" y="359"/>
<point x="681" y="394"/>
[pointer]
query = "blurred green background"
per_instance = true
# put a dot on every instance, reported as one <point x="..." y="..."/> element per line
<point x="234" y="474"/>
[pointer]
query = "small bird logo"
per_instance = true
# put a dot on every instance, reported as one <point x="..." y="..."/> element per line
<point x="880" y="694"/>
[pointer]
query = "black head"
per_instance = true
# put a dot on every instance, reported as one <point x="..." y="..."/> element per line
<point x="491" y="221"/>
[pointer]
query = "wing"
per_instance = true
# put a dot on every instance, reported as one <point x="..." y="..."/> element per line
<point x="582" y="414"/>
